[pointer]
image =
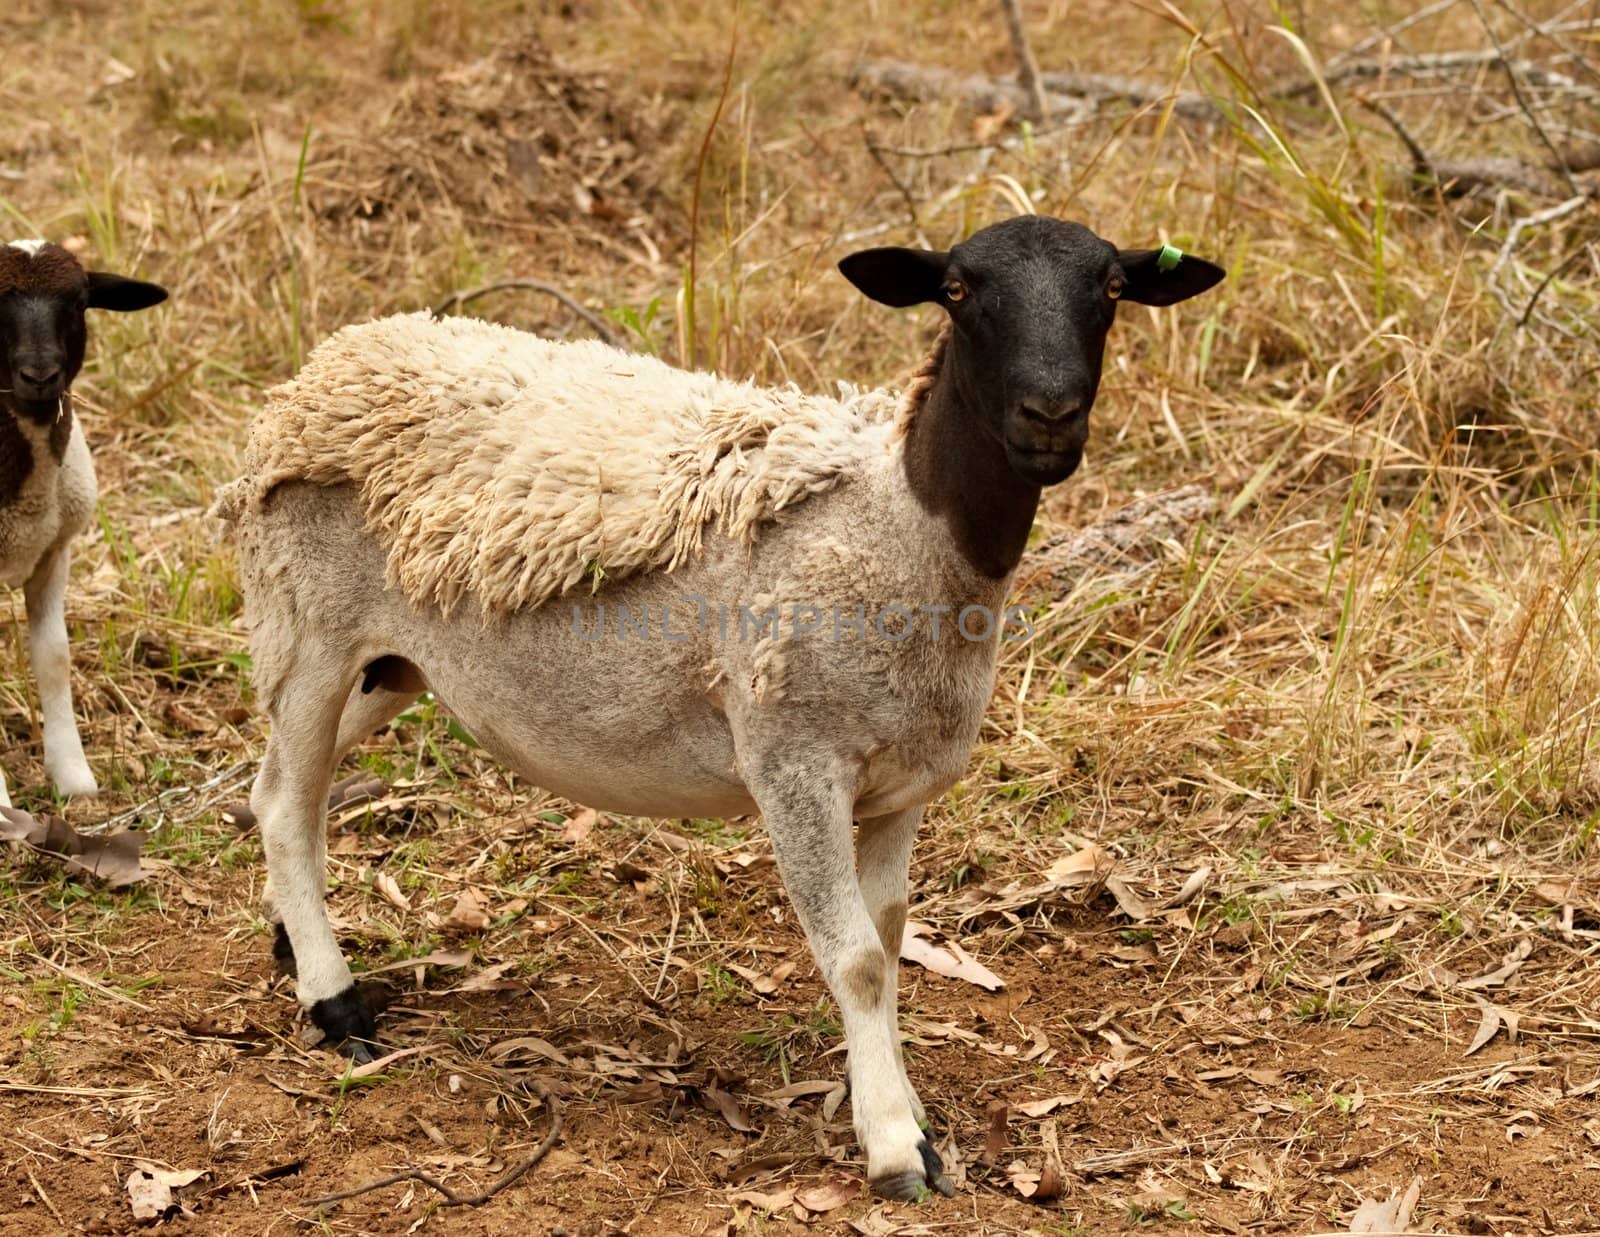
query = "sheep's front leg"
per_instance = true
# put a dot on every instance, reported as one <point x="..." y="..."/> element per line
<point x="883" y="859"/>
<point x="46" y="594"/>
<point x="807" y="810"/>
<point x="290" y="800"/>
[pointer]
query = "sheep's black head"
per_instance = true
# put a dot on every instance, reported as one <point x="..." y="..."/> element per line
<point x="1031" y="300"/>
<point x="44" y="292"/>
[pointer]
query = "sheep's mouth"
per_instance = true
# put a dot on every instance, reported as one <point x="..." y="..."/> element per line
<point x="1043" y="467"/>
<point x="35" y="408"/>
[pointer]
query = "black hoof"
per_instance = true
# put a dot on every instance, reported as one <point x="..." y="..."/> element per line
<point x="917" y="1187"/>
<point x="282" y="950"/>
<point x="347" y="1021"/>
<point x="361" y="1051"/>
<point x="902" y="1188"/>
<point x="933" y="1166"/>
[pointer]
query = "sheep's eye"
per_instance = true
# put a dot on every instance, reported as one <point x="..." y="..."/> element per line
<point x="1114" y="287"/>
<point x="955" y="291"/>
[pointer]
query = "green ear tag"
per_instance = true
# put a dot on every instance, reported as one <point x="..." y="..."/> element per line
<point x="1168" y="258"/>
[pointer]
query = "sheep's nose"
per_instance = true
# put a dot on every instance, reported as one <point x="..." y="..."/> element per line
<point x="39" y="376"/>
<point x="1051" y="410"/>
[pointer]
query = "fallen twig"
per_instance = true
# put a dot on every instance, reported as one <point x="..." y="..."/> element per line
<point x="976" y="91"/>
<point x="1461" y="177"/>
<point x="1431" y="64"/>
<point x="1510" y="68"/>
<point x="457" y="299"/>
<point x="1076" y="94"/>
<point x="1509" y="247"/>
<point x="451" y="1198"/>
<point x="1027" y="65"/>
<point x="223" y="783"/>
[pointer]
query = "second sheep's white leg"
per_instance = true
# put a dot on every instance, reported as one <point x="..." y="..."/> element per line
<point x="46" y="595"/>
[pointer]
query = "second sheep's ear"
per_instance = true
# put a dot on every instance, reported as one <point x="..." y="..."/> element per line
<point x="117" y="292"/>
<point x="1165" y="276"/>
<point x="897" y="277"/>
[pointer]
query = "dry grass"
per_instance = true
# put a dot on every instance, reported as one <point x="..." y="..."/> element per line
<point x="1362" y="696"/>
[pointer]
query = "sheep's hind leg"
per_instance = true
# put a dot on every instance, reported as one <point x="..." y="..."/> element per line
<point x="883" y="861"/>
<point x="46" y="595"/>
<point x="290" y="802"/>
<point x="807" y="810"/>
<point x="364" y="712"/>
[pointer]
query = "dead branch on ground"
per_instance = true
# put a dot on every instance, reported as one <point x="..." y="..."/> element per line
<point x="457" y="299"/>
<point x="451" y="1198"/>
<point x="1078" y="94"/>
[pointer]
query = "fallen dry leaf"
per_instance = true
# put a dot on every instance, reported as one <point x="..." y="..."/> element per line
<point x="776" y="1201"/>
<point x="996" y="1139"/>
<point x="1492" y="1016"/>
<point x="729" y="1107"/>
<point x="528" y="1044"/>
<point x="1569" y="892"/>
<point x="390" y="889"/>
<point x="1129" y="903"/>
<point x="490" y="979"/>
<point x="1391" y="1216"/>
<point x="1043" y="1108"/>
<point x="468" y="914"/>
<point x="832" y="1100"/>
<point x="113" y="859"/>
<point x="801" y="1090"/>
<point x="1038" y="1186"/>
<point x="1083" y="866"/>
<point x="384" y="1062"/>
<point x="767" y="984"/>
<point x="150" y="1188"/>
<point x="951" y="961"/>
<point x="579" y="824"/>
<point x="149" y="1197"/>
<point x="1509" y="967"/>
<point x="830" y="1194"/>
<point x="187" y="719"/>
<point x="439" y="957"/>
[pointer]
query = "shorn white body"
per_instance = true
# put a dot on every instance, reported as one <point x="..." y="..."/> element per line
<point x="55" y="503"/>
<point x="860" y="704"/>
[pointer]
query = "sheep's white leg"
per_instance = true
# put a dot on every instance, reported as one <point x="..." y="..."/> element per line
<point x="5" y="795"/>
<point x="807" y="810"/>
<point x="46" y="594"/>
<point x="290" y="801"/>
<point x="364" y="712"/>
<point x="883" y="860"/>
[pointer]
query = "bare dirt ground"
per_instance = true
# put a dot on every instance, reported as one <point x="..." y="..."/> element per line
<point x="1279" y="835"/>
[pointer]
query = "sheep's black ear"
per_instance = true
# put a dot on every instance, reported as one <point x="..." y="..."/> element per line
<point x="897" y="277"/>
<point x="1165" y="276"/>
<point x="117" y="292"/>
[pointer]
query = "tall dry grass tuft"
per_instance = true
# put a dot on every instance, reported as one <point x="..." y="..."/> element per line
<point x="1393" y="606"/>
